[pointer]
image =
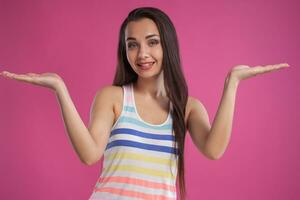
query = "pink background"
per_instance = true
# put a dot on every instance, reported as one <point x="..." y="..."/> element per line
<point x="78" y="40"/>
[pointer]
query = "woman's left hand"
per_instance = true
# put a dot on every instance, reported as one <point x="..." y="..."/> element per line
<point x="241" y="72"/>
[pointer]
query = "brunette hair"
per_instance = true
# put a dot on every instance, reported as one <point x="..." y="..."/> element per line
<point x="174" y="81"/>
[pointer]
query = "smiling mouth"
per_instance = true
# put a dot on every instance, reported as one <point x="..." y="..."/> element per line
<point x="145" y="66"/>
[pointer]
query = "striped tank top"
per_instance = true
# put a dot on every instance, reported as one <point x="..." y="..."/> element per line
<point x="140" y="159"/>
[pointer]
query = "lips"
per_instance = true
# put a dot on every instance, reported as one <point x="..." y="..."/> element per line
<point x="145" y="65"/>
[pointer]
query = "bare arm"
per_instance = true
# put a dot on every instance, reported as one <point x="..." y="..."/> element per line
<point x="208" y="138"/>
<point x="79" y="135"/>
<point x="89" y="144"/>
<point x="213" y="140"/>
<point x="220" y="133"/>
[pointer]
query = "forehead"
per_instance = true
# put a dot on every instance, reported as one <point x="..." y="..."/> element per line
<point x="141" y="28"/>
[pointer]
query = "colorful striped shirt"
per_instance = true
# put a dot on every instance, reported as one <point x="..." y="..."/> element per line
<point x="140" y="159"/>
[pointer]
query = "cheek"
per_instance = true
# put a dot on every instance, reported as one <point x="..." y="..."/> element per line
<point x="159" y="54"/>
<point x="130" y="57"/>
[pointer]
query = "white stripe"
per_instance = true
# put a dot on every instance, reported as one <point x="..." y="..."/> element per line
<point x="142" y="129"/>
<point x="109" y="196"/>
<point x="166" y="169"/>
<point x="140" y="176"/>
<point x="155" y="154"/>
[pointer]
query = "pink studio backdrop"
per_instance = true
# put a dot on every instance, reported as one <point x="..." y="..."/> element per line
<point x="78" y="40"/>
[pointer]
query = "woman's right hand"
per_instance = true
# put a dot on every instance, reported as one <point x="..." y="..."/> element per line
<point x="49" y="80"/>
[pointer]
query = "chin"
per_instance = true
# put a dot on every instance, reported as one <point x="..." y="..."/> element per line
<point x="149" y="75"/>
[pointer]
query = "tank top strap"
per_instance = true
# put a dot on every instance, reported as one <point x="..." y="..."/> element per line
<point x="128" y="100"/>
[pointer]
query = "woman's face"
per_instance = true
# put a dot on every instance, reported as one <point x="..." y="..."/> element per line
<point x="143" y="47"/>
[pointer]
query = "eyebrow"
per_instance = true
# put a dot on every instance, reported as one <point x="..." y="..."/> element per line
<point x="148" y="36"/>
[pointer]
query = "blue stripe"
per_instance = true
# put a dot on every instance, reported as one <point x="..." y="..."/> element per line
<point x="142" y="134"/>
<point x="141" y="146"/>
<point x="126" y="119"/>
<point x="129" y="108"/>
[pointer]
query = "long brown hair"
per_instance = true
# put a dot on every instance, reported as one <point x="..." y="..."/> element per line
<point x="174" y="81"/>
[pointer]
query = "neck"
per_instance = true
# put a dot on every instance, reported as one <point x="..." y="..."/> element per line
<point x="153" y="87"/>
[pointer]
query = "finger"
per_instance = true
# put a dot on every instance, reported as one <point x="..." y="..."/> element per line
<point x="4" y="73"/>
<point x="10" y="74"/>
<point x="7" y="74"/>
<point x="15" y="76"/>
<point x="268" y="68"/>
<point x="277" y="66"/>
<point x="21" y="77"/>
<point x="282" y="65"/>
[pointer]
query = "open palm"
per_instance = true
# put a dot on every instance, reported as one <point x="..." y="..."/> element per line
<point x="241" y="72"/>
<point x="49" y="80"/>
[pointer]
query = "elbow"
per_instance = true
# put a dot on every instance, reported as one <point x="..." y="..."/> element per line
<point x="213" y="156"/>
<point x="86" y="162"/>
<point x="92" y="158"/>
<point x="212" y="152"/>
<point x="90" y="161"/>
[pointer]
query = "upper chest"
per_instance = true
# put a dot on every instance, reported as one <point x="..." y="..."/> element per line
<point x="152" y="111"/>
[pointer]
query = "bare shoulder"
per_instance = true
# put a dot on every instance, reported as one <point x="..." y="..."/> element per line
<point x="193" y="105"/>
<point x="111" y="95"/>
<point x="193" y="101"/>
<point x="102" y="116"/>
<point x="198" y="124"/>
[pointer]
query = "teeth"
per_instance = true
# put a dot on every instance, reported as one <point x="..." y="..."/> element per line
<point x="146" y="64"/>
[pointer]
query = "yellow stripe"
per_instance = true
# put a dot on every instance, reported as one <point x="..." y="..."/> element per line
<point x="135" y="156"/>
<point x="141" y="170"/>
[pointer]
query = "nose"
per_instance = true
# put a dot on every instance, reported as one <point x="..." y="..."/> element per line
<point x="143" y="51"/>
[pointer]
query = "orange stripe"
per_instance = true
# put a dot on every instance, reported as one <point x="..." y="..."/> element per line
<point x="139" y="182"/>
<point x="130" y="193"/>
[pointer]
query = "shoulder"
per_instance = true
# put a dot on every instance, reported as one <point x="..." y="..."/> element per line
<point x="192" y="102"/>
<point x="193" y="105"/>
<point x="109" y="91"/>
<point x="109" y="94"/>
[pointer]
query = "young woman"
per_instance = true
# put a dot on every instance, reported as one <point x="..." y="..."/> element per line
<point x="139" y="123"/>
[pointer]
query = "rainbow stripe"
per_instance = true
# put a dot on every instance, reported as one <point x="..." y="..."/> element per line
<point x="140" y="159"/>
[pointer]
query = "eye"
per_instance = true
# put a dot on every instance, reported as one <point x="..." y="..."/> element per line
<point x="131" y="45"/>
<point x="153" y="42"/>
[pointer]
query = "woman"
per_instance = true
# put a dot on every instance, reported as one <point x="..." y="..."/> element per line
<point x="139" y="123"/>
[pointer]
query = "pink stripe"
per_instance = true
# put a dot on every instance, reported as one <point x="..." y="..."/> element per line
<point x="129" y="99"/>
<point x="139" y="182"/>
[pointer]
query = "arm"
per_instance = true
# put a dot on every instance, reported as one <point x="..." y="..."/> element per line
<point x="89" y="144"/>
<point x="219" y="135"/>
<point x="213" y="141"/>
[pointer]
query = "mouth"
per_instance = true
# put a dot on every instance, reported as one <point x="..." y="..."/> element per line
<point x="146" y="65"/>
